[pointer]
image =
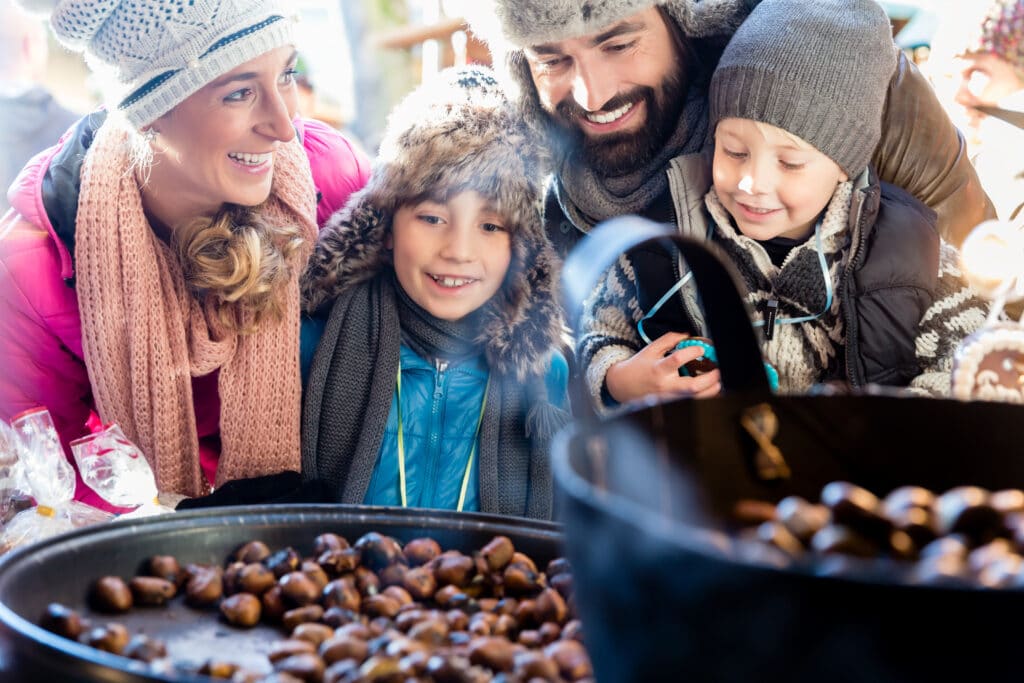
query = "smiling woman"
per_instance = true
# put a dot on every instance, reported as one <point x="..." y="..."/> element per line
<point x="181" y="216"/>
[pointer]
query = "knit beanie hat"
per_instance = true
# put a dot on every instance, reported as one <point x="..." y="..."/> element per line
<point x="455" y="132"/>
<point x="819" y="70"/>
<point x="1001" y="32"/>
<point x="158" y="52"/>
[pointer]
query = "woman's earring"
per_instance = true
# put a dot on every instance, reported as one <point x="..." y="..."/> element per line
<point x="149" y="134"/>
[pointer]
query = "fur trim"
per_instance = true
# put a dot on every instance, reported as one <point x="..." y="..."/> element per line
<point x="348" y="251"/>
<point x="516" y="24"/>
<point x="532" y="22"/>
<point x="709" y="18"/>
<point x="458" y="133"/>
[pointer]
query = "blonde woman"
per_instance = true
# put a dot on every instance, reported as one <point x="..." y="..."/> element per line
<point x="149" y="267"/>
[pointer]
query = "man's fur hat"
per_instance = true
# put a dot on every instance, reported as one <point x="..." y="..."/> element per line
<point x="456" y="132"/>
<point x="516" y="24"/>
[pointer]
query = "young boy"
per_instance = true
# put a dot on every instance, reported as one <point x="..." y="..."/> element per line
<point x="437" y="382"/>
<point x="846" y="276"/>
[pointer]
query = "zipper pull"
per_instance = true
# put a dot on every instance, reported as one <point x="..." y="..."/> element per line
<point x="441" y="366"/>
<point x="771" y="310"/>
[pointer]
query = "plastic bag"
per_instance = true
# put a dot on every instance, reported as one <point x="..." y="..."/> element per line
<point x="44" y="473"/>
<point x="12" y="499"/>
<point x="112" y="466"/>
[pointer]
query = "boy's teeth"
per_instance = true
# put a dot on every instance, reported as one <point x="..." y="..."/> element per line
<point x="608" y="117"/>
<point x="250" y="159"/>
<point x="451" y="281"/>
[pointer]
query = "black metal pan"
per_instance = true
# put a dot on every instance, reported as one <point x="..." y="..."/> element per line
<point x="61" y="570"/>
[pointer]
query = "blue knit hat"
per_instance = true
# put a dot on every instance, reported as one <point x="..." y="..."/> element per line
<point x="161" y="51"/>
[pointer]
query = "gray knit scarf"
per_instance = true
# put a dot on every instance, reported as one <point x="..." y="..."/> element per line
<point x="588" y="198"/>
<point x="352" y="380"/>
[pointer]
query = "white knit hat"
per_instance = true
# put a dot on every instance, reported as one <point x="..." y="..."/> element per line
<point x="161" y="51"/>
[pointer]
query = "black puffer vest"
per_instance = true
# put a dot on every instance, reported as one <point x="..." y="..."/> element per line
<point x="889" y="281"/>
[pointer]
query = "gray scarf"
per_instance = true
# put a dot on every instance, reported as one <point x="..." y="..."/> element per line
<point x="588" y="198"/>
<point x="352" y="380"/>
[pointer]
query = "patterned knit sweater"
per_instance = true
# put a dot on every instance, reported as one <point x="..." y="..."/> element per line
<point x="804" y="353"/>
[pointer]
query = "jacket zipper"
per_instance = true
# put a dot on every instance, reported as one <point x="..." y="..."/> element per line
<point x="429" y="489"/>
<point x="855" y="257"/>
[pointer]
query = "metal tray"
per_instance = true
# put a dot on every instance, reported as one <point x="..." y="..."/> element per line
<point x="61" y="569"/>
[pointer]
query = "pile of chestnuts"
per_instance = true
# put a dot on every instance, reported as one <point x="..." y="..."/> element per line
<point x="966" y="536"/>
<point x="371" y="611"/>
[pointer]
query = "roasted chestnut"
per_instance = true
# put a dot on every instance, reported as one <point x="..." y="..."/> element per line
<point x="62" y="620"/>
<point x="111" y="594"/>
<point x="151" y="591"/>
<point x="241" y="609"/>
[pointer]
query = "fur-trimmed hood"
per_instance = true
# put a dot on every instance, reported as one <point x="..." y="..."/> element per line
<point x="508" y="26"/>
<point x="456" y="133"/>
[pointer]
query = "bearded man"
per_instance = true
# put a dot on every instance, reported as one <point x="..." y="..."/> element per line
<point x="619" y="87"/>
<point x="619" y="90"/>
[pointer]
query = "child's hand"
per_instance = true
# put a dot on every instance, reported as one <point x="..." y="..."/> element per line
<point x="650" y="371"/>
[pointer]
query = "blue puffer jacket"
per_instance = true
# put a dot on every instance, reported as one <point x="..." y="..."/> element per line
<point x="440" y="409"/>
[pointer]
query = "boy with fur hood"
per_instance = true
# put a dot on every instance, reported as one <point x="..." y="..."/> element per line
<point x="437" y="381"/>
<point x="846" y="276"/>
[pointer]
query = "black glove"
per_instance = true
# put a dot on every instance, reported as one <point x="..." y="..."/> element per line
<point x="272" y="489"/>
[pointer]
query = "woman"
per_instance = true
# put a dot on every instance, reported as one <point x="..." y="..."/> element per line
<point x="149" y="267"/>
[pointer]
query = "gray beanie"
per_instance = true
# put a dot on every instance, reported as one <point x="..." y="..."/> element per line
<point x="161" y="51"/>
<point x="819" y="69"/>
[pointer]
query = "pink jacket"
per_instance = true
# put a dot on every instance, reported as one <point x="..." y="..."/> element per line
<point x="40" y="328"/>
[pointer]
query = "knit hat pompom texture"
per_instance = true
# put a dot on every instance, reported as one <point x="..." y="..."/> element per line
<point x="161" y="51"/>
<point x="1001" y="32"/>
<point x="819" y="70"/>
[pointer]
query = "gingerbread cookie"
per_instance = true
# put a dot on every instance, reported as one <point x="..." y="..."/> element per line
<point x="989" y="365"/>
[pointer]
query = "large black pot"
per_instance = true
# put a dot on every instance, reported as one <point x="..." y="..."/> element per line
<point x="665" y="594"/>
<point x="61" y="569"/>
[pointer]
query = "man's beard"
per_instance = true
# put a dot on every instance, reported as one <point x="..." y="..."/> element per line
<point x="618" y="154"/>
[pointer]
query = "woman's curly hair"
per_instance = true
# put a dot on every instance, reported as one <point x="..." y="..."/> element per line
<point x="238" y="264"/>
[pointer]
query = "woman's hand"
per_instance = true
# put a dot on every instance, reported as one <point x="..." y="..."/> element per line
<point x="654" y="370"/>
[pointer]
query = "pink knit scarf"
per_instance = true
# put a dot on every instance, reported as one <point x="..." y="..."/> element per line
<point x="145" y="336"/>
